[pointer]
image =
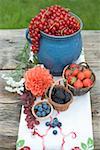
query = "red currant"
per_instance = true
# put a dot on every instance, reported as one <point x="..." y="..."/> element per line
<point x="54" y="20"/>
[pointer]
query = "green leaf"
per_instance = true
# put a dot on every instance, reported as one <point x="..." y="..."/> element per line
<point x="84" y="146"/>
<point x="23" y="63"/>
<point x="35" y="59"/>
<point x="20" y="143"/>
<point x="90" y="142"/>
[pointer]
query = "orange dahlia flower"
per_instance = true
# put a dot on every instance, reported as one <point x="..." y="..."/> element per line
<point x="38" y="80"/>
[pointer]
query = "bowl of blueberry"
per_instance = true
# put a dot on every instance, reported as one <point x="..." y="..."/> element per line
<point x="60" y="96"/>
<point x="42" y="110"/>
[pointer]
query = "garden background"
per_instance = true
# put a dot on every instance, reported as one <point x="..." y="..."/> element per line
<point x="18" y="13"/>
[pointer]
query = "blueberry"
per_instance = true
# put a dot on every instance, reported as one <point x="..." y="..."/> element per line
<point x="47" y="123"/>
<point x="43" y="113"/>
<point x="55" y="120"/>
<point x="59" y="124"/>
<point x="40" y="109"/>
<point x="53" y="125"/>
<point x="40" y="105"/>
<point x="54" y="132"/>
<point x="36" y="107"/>
<point x="45" y="106"/>
<point x="49" y="108"/>
<point x="44" y="103"/>
<point x="47" y="111"/>
<point x="38" y="114"/>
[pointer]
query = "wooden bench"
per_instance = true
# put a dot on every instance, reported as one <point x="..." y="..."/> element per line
<point x="11" y="42"/>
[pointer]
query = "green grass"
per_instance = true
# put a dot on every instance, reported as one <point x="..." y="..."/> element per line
<point x="18" y="13"/>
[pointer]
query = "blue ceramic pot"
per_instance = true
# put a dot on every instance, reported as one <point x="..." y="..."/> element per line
<point x="56" y="52"/>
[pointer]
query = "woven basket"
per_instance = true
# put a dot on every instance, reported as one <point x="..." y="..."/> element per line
<point x="42" y="118"/>
<point x="82" y="91"/>
<point x="57" y="106"/>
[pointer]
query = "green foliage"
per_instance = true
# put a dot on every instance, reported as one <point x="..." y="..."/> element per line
<point x="24" y="63"/>
<point x="84" y="146"/>
<point x="20" y="143"/>
<point x="18" y="13"/>
<point x="89" y="145"/>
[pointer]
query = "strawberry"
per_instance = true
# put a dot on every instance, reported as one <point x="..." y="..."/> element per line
<point x="67" y="73"/>
<point x="71" y="80"/>
<point x="78" y="84"/>
<point x="75" y="72"/>
<point x="81" y="75"/>
<point x="87" y="73"/>
<point x="87" y="82"/>
<point x="74" y="66"/>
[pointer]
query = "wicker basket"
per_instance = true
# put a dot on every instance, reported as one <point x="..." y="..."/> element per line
<point x="59" y="107"/>
<point x="82" y="91"/>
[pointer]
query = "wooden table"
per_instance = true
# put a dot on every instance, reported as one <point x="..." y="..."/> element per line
<point x="11" y="42"/>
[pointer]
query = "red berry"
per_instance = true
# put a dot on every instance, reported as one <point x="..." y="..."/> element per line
<point x="81" y="75"/>
<point x="75" y="72"/>
<point x="87" y="82"/>
<point x="74" y="66"/>
<point x="53" y="20"/>
<point x="67" y="73"/>
<point x="57" y="24"/>
<point x="71" y="80"/>
<point x="78" y="84"/>
<point x="87" y="73"/>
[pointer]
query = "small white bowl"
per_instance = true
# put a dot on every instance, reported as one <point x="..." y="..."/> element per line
<point x="42" y="118"/>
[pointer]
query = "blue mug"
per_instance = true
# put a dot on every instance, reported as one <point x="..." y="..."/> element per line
<point x="55" y="52"/>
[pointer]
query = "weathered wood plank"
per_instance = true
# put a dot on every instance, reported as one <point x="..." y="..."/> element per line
<point x="11" y="41"/>
<point x="10" y="107"/>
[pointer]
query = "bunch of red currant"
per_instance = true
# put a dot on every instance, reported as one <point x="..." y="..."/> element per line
<point x="54" y="20"/>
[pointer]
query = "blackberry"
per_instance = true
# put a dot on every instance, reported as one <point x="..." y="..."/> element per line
<point x="67" y="97"/>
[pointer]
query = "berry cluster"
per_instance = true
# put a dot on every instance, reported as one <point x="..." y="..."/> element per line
<point x="54" y="123"/>
<point x="60" y="95"/>
<point x="28" y="100"/>
<point x="42" y="110"/>
<point x="54" y="20"/>
<point x="78" y="76"/>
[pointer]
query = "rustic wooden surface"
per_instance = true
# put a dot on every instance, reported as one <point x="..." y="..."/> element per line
<point x="11" y="41"/>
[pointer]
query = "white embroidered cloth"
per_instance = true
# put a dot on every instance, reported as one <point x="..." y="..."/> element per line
<point x="76" y="131"/>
